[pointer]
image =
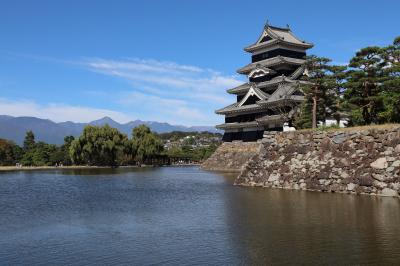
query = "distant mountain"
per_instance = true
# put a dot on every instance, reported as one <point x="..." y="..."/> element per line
<point x="14" y="128"/>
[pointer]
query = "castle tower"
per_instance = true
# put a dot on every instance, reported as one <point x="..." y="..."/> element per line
<point x="270" y="97"/>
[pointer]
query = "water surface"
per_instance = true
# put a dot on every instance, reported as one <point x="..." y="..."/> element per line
<point x="185" y="216"/>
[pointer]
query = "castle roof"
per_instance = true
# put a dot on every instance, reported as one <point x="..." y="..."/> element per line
<point x="272" y="35"/>
<point x="237" y="125"/>
<point x="273" y="82"/>
<point x="269" y="62"/>
<point x="284" y="94"/>
<point x="235" y="108"/>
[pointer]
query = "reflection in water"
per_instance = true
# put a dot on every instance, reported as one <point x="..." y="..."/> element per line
<point x="182" y="215"/>
<point x="283" y="226"/>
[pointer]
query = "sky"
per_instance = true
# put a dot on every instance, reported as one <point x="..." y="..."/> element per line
<point x="168" y="61"/>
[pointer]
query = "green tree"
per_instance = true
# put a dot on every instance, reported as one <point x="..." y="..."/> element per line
<point x="27" y="157"/>
<point x="29" y="141"/>
<point x="175" y="152"/>
<point x="318" y="93"/>
<point x="42" y="154"/>
<point x="391" y="82"/>
<point x="145" y="143"/>
<point x="64" y="155"/>
<point x="364" y="98"/>
<point x="10" y="153"/>
<point x="98" y="146"/>
<point x="336" y="84"/>
<point x="304" y="117"/>
<point x="28" y="148"/>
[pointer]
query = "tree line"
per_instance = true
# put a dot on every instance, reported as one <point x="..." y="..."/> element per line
<point x="96" y="146"/>
<point x="364" y="92"/>
<point x="34" y="153"/>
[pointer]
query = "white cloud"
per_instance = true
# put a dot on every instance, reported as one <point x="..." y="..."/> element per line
<point x="168" y="79"/>
<point x="167" y="91"/>
<point x="57" y="112"/>
<point x="154" y="90"/>
<point x="173" y="111"/>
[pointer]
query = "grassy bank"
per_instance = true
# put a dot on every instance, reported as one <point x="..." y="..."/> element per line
<point x="28" y="168"/>
<point x="357" y="128"/>
<point x="31" y="168"/>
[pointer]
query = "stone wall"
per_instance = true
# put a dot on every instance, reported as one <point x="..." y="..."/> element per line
<point x="231" y="156"/>
<point x="363" y="161"/>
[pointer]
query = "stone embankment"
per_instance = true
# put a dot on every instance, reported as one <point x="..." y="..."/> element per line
<point x="363" y="161"/>
<point x="231" y="156"/>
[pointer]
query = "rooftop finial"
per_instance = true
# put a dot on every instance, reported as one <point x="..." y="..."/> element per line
<point x="287" y="26"/>
<point x="266" y="24"/>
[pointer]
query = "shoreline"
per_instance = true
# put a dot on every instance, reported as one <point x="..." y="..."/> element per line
<point x="73" y="167"/>
<point x="30" y="168"/>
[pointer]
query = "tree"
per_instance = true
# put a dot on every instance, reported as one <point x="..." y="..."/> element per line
<point x="391" y="82"/>
<point x="145" y="143"/>
<point x="42" y="154"/>
<point x="364" y="96"/>
<point x="10" y="153"/>
<point x="337" y="79"/>
<point x="316" y="91"/>
<point x="64" y="150"/>
<point x="29" y="141"/>
<point x="98" y="146"/>
<point x="304" y="117"/>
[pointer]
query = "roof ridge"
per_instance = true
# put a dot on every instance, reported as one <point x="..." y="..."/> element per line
<point x="279" y="28"/>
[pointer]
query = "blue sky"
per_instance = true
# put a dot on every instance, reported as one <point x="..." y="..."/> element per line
<point x="168" y="61"/>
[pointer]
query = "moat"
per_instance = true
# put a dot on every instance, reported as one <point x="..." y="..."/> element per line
<point x="186" y="216"/>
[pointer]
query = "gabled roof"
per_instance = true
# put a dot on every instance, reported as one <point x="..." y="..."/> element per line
<point x="260" y="71"/>
<point x="256" y="92"/>
<point x="271" y="62"/>
<point x="273" y="82"/>
<point x="234" y="108"/>
<point x="273" y="35"/>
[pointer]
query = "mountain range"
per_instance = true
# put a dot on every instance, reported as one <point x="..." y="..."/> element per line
<point x="14" y="128"/>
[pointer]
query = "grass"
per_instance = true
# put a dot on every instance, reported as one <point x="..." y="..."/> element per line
<point x="23" y="168"/>
<point x="357" y="128"/>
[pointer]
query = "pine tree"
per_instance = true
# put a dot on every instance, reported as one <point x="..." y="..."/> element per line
<point x="29" y="141"/>
<point x="364" y="96"/>
<point x="316" y="91"/>
<point x="336" y="86"/>
<point x="304" y="117"/>
<point x="391" y="82"/>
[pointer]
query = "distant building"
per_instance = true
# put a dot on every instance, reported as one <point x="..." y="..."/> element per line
<point x="270" y="98"/>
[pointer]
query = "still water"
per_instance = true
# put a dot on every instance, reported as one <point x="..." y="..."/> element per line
<point x="185" y="216"/>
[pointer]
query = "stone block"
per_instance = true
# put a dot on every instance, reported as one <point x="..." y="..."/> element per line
<point x="379" y="163"/>
<point x="396" y="163"/>
<point x="397" y="149"/>
<point x="388" y="192"/>
<point x="351" y="186"/>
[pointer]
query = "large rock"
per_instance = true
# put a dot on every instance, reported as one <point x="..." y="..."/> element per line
<point x="388" y="192"/>
<point x="273" y="177"/>
<point x="339" y="138"/>
<point x="379" y="163"/>
<point x="397" y="149"/>
<point x="351" y="186"/>
<point x="396" y="163"/>
<point x="379" y="177"/>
